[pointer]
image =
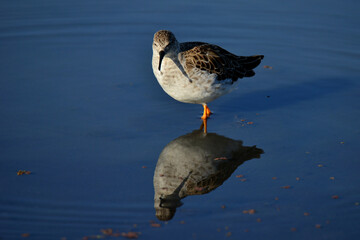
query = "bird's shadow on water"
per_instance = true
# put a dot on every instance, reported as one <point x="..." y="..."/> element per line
<point x="289" y="94"/>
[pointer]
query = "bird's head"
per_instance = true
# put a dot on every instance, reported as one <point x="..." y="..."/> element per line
<point x="165" y="44"/>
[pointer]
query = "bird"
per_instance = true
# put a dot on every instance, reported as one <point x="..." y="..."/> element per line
<point x="197" y="72"/>
<point x="195" y="164"/>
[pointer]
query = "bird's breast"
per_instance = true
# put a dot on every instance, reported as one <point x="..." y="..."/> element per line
<point x="193" y="86"/>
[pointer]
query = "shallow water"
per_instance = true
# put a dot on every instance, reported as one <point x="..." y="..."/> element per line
<point x="81" y="109"/>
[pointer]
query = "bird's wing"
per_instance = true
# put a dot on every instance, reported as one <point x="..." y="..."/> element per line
<point x="217" y="60"/>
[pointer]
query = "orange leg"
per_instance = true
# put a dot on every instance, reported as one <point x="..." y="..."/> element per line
<point x="205" y="125"/>
<point x="206" y="113"/>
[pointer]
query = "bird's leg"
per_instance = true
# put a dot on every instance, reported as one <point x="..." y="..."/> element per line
<point x="206" y="113"/>
<point x="204" y="124"/>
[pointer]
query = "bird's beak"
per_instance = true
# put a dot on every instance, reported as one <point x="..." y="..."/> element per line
<point x="162" y="54"/>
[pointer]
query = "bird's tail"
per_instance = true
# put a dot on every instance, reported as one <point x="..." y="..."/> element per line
<point x="249" y="63"/>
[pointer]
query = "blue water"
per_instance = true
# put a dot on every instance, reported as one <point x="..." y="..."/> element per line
<point x="81" y="109"/>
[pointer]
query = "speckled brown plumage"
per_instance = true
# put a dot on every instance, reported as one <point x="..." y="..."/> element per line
<point x="217" y="60"/>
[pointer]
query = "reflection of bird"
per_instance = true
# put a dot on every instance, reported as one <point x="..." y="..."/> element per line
<point x="194" y="164"/>
<point x="197" y="72"/>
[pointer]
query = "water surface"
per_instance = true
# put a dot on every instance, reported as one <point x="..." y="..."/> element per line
<point x="81" y="109"/>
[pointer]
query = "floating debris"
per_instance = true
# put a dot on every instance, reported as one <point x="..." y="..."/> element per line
<point x="107" y="232"/>
<point x="286" y="187"/>
<point x="131" y="235"/>
<point x="21" y="172"/>
<point x="320" y="165"/>
<point x="297" y="179"/>
<point x="274" y="178"/>
<point x="250" y="211"/>
<point x="268" y="67"/>
<point x="318" y="225"/>
<point x="306" y="214"/>
<point x="293" y="229"/>
<point x="332" y="178"/>
<point x="276" y="198"/>
<point x="258" y="220"/>
<point x="155" y="224"/>
<point x="240" y="176"/>
<point x="228" y="234"/>
<point x="243" y="122"/>
<point x="25" y="235"/>
<point x="335" y="196"/>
